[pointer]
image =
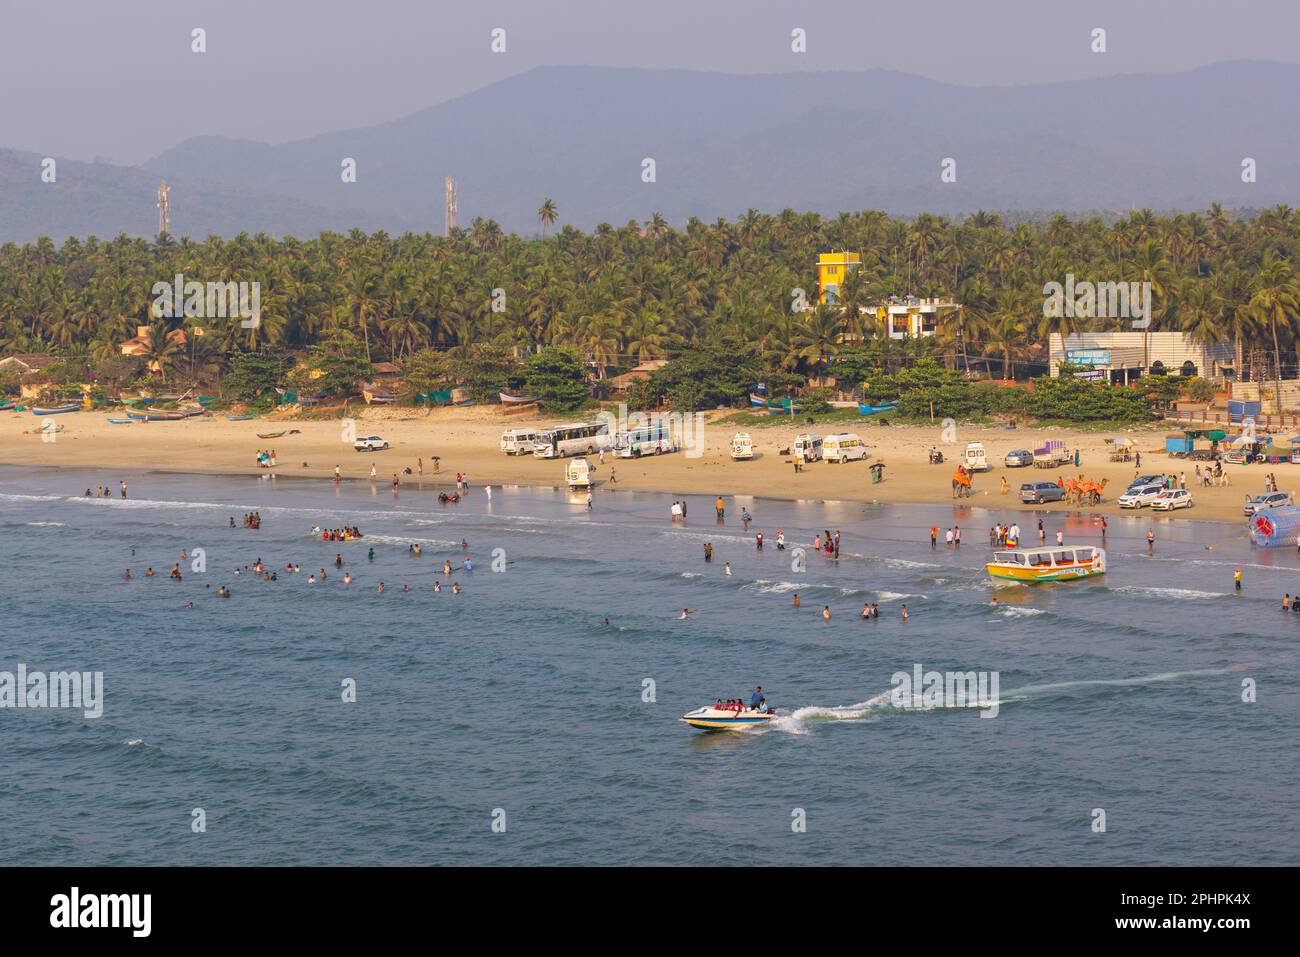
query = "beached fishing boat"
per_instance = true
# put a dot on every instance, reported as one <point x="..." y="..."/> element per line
<point x="6" y="406"/>
<point x="153" y="416"/>
<point x="241" y="418"/>
<point x="758" y="401"/>
<point x="864" y="409"/>
<point x="508" y="399"/>
<point x="276" y="435"/>
<point x="59" y="411"/>
<point x="711" y="719"/>
<point x="113" y="421"/>
<point x="1045" y="564"/>
<point x="377" y="398"/>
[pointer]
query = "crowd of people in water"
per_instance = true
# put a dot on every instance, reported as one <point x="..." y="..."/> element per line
<point x="347" y="533"/>
<point x="105" y="491"/>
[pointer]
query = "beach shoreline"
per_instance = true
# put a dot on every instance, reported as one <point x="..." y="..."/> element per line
<point x="466" y="441"/>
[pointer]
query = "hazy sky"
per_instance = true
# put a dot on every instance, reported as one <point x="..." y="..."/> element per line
<point x="116" y="78"/>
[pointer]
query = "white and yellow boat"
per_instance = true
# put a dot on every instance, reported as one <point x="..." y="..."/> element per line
<point x="712" y="719"/>
<point x="1044" y="564"/>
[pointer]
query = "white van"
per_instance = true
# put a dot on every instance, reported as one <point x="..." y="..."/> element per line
<point x="845" y="447"/>
<point x="810" y="444"/>
<point x="742" y="446"/>
<point x="580" y="473"/>
<point x="976" y="459"/>
<point x="518" y="441"/>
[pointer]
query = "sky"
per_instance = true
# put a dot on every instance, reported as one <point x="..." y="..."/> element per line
<point x="118" y="80"/>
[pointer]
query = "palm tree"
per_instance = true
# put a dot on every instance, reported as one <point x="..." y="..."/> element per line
<point x="548" y="214"/>
<point x="1276" y="302"/>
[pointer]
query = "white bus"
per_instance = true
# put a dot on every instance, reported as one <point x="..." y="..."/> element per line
<point x="578" y="438"/>
<point x="810" y="444"/>
<point x="647" y="440"/>
<point x="518" y="441"/>
<point x="845" y="447"/>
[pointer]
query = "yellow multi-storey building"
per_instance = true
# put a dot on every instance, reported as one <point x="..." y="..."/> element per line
<point x="831" y="270"/>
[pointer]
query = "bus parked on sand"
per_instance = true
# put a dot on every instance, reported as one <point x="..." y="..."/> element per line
<point x="847" y="447"/>
<point x="578" y="438"/>
<point x="810" y="444"/>
<point x="647" y="440"/>
<point x="518" y="441"/>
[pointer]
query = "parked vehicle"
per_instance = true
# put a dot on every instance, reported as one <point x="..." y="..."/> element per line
<point x="1051" y="455"/>
<point x="577" y="438"/>
<point x="845" y="447"/>
<point x="370" y="443"/>
<point x="1172" y="498"/>
<point x="1147" y="480"/>
<point x="1035" y="493"/>
<point x="647" y="440"/>
<point x="1266" y="500"/>
<point x="1139" y="495"/>
<point x="976" y="459"/>
<point x="1018" y="459"/>
<point x="580" y="473"/>
<point x="810" y="444"/>
<point x="742" y="446"/>
<point x="518" y="441"/>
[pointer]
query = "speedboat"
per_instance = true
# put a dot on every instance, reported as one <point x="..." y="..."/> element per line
<point x="711" y="719"/>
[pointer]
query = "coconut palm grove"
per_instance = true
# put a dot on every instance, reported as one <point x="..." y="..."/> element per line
<point x="727" y="304"/>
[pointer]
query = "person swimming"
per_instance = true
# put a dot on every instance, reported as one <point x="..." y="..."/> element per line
<point x="437" y="586"/>
<point x="686" y="613"/>
<point x="455" y="588"/>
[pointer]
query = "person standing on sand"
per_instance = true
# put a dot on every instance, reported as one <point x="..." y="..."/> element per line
<point x="1137" y="457"/>
<point x="419" y="466"/>
<point x="337" y="477"/>
<point x="1004" y="485"/>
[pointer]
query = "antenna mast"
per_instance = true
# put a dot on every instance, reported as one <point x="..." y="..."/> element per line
<point x="164" y="209"/>
<point x="449" y="210"/>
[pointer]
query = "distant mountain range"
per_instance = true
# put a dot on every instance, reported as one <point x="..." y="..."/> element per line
<point x="721" y="143"/>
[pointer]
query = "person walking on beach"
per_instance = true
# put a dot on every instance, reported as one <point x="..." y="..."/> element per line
<point x="337" y="478"/>
<point x="1137" y="458"/>
<point x="717" y="507"/>
<point x="1042" y="534"/>
<point x="588" y="499"/>
<point x="1104" y="525"/>
<point x="373" y="472"/>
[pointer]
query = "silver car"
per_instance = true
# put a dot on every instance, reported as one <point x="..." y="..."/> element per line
<point x="1267" y="500"/>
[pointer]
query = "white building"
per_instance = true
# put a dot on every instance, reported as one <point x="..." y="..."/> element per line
<point x="1120" y="357"/>
<point x="910" y="317"/>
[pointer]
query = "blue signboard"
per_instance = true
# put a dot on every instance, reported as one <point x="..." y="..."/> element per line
<point x="1087" y="357"/>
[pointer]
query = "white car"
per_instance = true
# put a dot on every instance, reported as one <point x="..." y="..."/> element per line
<point x="1172" y="498"/>
<point x="1266" y="500"/>
<point x="369" y="443"/>
<point x="1140" y="495"/>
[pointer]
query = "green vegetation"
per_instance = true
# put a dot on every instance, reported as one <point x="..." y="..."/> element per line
<point x="716" y="299"/>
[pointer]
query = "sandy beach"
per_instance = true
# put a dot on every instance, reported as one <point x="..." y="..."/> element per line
<point x="467" y="440"/>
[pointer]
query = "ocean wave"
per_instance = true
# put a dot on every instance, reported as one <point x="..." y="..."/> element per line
<point x="1021" y="612"/>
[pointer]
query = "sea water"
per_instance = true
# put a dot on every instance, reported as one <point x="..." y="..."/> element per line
<point x="510" y="725"/>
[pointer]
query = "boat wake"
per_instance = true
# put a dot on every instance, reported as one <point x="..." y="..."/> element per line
<point x="803" y="720"/>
